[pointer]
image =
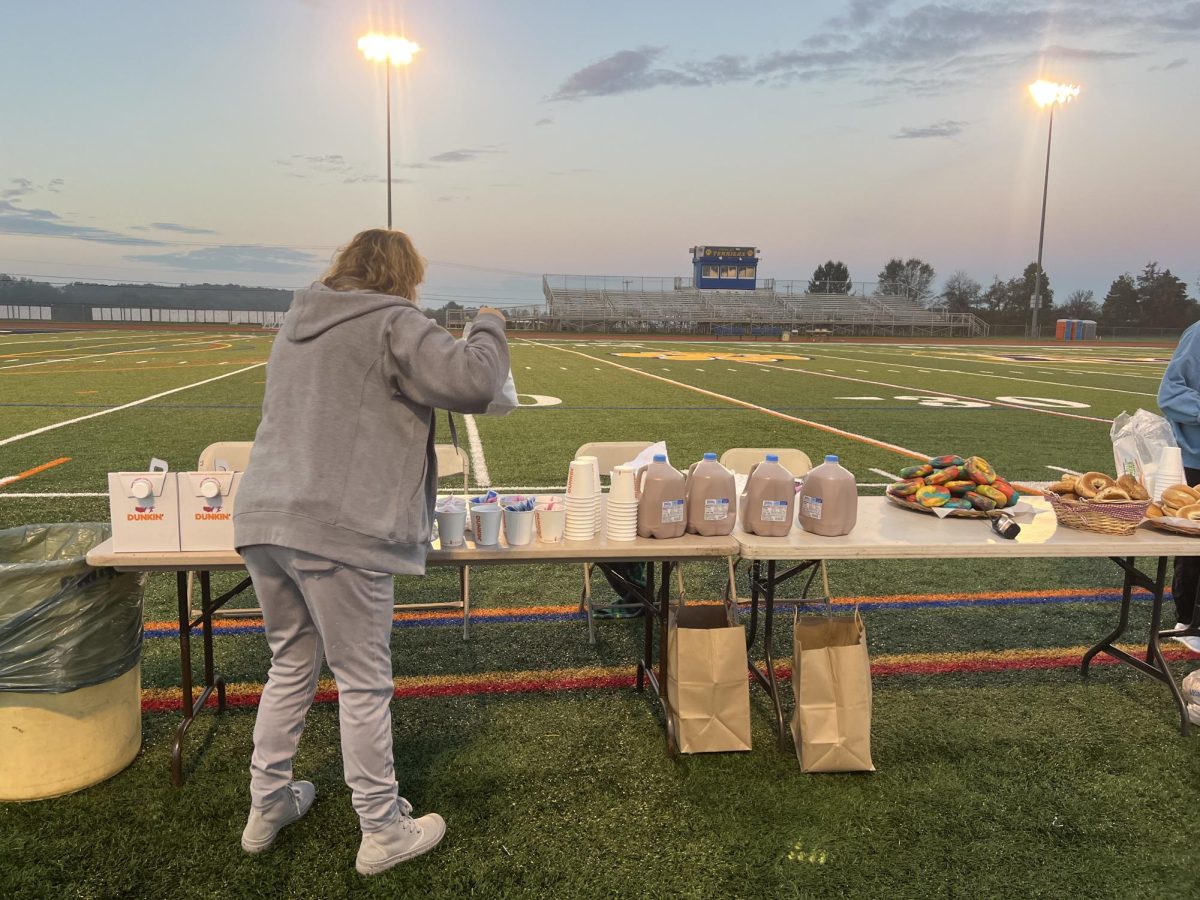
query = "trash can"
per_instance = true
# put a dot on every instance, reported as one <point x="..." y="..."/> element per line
<point x="70" y="652"/>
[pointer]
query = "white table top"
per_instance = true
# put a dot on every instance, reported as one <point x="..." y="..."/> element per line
<point x="886" y="531"/>
<point x="599" y="549"/>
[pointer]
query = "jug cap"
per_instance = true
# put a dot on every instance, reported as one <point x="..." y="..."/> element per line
<point x="710" y="456"/>
<point x="660" y="457"/>
<point x="772" y="457"/>
<point x="831" y="458"/>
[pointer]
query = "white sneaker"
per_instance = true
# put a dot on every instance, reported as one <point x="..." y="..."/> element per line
<point x="404" y="839"/>
<point x="264" y="825"/>
<point x="1192" y="643"/>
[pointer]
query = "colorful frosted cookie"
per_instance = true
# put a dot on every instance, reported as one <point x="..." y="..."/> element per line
<point x="980" y="502"/>
<point x="932" y="495"/>
<point x="905" y="488"/>
<point x="945" y="462"/>
<point x="957" y="503"/>
<point x="959" y="488"/>
<point x="979" y="470"/>
<point x="920" y="471"/>
<point x="941" y="476"/>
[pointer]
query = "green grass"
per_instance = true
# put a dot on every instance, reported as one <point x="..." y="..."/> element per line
<point x="1012" y="783"/>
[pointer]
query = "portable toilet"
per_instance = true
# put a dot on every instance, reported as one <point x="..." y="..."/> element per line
<point x="1060" y="330"/>
<point x="1089" y="330"/>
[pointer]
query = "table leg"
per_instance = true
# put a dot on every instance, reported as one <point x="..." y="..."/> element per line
<point x="211" y="679"/>
<point x="1154" y="664"/>
<point x="664" y="624"/>
<point x="185" y="677"/>
<point x="768" y="653"/>
<point x="647" y="660"/>
<point x="752" y="631"/>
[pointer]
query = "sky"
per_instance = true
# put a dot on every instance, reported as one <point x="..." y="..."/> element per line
<point x="235" y="141"/>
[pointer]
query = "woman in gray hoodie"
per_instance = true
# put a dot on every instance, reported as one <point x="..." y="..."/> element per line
<point x="337" y="498"/>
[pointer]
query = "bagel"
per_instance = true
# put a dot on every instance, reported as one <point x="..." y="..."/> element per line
<point x="1062" y="488"/>
<point x="1179" y="495"/>
<point x="1154" y="511"/>
<point x="1132" y="487"/>
<point x="1191" y="511"/>
<point x="1170" y="511"/>
<point x="1112" y="493"/>
<point x="1090" y="484"/>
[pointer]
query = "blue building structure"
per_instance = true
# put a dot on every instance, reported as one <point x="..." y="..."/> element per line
<point x="724" y="268"/>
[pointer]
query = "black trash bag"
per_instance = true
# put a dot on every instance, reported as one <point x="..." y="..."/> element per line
<point x="63" y="624"/>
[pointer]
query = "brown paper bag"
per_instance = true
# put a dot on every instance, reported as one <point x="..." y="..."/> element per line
<point x="707" y="680"/>
<point x="831" y="679"/>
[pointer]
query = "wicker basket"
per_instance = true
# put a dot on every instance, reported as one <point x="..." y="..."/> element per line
<point x="1100" y="516"/>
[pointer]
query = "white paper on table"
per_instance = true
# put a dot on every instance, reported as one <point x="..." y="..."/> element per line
<point x="647" y="456"/>
<point x="1021" y="509"/>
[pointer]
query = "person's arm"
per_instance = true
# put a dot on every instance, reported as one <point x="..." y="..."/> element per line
<point x="1179" y="393"/>
<point x="429" y="366"/>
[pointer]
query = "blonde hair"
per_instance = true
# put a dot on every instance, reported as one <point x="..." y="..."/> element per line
<point x="378" y="260"/>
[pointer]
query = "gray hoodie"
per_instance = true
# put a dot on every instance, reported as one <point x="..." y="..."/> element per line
<point x="343" y="463"/>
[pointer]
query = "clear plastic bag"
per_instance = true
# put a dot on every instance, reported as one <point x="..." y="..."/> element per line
<point x="1138" y="441"/>
<point x="63" y="624"/>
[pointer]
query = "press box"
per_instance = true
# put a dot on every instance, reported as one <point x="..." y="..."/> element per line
<point x="144" y="508"/>
<point x="206" y="509"/>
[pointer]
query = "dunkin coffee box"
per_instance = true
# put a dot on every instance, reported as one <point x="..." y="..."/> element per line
<point x="144" y="508"/>
<point x="206" y="509"/>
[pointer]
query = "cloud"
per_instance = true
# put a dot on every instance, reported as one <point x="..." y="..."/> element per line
<point x="20" y="187"/>
<point x="935" y="47"/>
<point x="44" y="223"/>
<point x="267" y="260"/>
<point x="463" y="154"/>
<point x="944" y="129"/>
<point x="332" y="165"/>
<point x="544" y="120"/>
<point x="622" y="73"/>
<point x="55" y="185"/>
<point x="180" y="229"/>
<point x="1177" y="63"/>
<point x="578" y="171"/>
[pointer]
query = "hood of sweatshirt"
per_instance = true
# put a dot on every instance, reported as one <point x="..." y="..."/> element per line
<point x="318" y="308"/>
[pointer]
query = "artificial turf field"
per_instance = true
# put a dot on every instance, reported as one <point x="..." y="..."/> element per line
<point x="1000" y="772"/>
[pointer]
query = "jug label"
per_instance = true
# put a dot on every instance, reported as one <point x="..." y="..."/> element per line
<point x="672" y="511"/>
<point x="775" y="511"/>
<point x="810" y="507"/>
<point x="716" y="510"/>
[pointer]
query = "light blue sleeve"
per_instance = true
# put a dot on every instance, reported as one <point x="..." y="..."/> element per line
<point x="1179" y="393"/>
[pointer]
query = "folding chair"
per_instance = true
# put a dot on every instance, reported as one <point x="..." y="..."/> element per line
<point x="451" y="460"/>
<point x="741" y="459"/>
<point x="608" y="454"/>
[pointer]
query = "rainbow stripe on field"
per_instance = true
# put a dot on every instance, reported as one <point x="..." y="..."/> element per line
<point x="570" y="612"/>
<point x="245" y="694"/>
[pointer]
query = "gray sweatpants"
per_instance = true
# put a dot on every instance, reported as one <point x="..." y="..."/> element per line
<point x="313" y="606"/>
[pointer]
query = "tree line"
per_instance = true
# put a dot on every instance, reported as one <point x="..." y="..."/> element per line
<point x="1152" y="298"/>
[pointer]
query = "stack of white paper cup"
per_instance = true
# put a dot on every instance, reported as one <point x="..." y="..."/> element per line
<point x="1169" y="471"/>
<point x="620" y="523"/>
<point x="582" y="500"/>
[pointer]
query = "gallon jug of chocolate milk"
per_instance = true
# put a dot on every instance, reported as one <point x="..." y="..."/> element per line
<point x="662" y="500"/>
<point x="769" y="499"/>
<point x="711" y="498"/>
<point x="829" y="500"/>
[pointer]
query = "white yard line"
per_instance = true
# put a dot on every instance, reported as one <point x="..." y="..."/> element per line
<point x="130" y="405"/>
<point x="745" y="404"/>
<point x="908" y="387"/>
<point x="982" y="374"/>
<point x="1064" y="471"/>
<point x="890" y="475"/>
<point x="43" y="362"/>
<point x="478" y="464"/>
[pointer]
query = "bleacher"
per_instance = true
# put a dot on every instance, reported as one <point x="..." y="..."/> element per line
<point x="599" y="303"/>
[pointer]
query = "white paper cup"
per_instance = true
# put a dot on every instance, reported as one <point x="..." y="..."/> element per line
<point x="485" y="518"/>
<point x="1169" y="471"/>
<point x="549" y="524"/>
<point x="451" y="525"/>
<point x="518" y="527"/>
<point x="581" y="483"/>
<point x="624" y="486"/>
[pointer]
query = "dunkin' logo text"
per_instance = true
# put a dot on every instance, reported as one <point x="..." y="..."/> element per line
<point x="211" y="516"/>
<point x="143" y="517"/>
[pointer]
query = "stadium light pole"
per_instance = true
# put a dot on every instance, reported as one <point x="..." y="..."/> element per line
<point x="391" y="50"/>
<point x="1046" y="93"/>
